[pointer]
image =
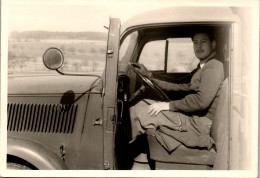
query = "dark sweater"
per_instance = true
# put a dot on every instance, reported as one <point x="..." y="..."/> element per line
<point x="204" y="85"/>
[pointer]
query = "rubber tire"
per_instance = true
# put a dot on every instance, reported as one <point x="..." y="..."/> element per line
<point x="17" y="166"/>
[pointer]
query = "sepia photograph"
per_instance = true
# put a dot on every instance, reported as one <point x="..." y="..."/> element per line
<point x="129" y="88"/>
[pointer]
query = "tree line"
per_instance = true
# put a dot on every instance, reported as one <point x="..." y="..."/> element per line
<point x="41" y="35"/>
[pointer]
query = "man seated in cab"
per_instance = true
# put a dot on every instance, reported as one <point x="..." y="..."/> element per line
<point x="186" y="121"/>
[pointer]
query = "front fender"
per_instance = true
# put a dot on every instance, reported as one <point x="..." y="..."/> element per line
<point x="35" y="153"/>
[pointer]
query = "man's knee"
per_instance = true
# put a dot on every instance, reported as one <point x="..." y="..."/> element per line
<point x="139" y="109"/>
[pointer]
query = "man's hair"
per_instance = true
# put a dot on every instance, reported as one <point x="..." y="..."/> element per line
<point x="207" y="30"/>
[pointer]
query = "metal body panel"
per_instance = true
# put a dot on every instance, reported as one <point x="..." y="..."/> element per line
<point x="242" y="122"/>
<point x="84" y="145"/>
<point x="37" y="154"/>
<point x="49" y="84"/>
<point x="181" y="15"/>
<point x="89" y="153"/>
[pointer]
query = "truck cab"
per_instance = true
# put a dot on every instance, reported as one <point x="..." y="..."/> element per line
<point x="82" y="122"/>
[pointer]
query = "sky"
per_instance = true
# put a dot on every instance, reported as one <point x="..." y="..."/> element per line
<point x="63" y="15"/>
<point x="81" y="15"/>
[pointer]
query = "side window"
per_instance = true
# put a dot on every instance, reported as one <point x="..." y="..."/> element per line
<point x="126" y="50"/>
<point x="180" y="56"/>
<point x="153" y="55"/>
<point x="127" y="45"/>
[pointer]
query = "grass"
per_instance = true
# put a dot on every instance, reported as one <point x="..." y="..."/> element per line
<point x="80" y="55"/>
<point x="89" y="56"/>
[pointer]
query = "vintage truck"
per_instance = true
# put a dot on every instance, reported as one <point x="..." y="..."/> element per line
<point x="81" y="122"/>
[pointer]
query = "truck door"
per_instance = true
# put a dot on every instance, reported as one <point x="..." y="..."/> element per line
<point x="244" y="119"/>
<point x="110" y="93"/>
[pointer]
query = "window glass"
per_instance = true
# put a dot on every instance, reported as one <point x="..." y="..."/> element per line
<point x="152" y="55"/>
<point x="126" y="50"/>
<point x="181" y="57"/>
<point x="125" y="47"/>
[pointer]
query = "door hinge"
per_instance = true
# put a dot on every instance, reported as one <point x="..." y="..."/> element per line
<point x="106" y="165"/>
<point x="110" y="53"/>
<point x="110" y="119"/>
<point x="62" y="152"/>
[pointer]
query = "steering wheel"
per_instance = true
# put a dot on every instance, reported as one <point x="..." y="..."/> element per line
<point x="148" y="82"/>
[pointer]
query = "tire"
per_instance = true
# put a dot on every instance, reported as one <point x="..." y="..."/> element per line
<point x="16" y="166"/>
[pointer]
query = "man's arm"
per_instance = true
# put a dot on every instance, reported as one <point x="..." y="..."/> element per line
<point x="168" y="86"/>
<point x="209" y="85"/>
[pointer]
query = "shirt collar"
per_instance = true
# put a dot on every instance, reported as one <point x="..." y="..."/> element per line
<point x="203" y="62"/>
<point x="201" y="65"/>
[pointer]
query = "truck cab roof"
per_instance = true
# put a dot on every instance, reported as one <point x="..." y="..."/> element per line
<point x="172" y="15"/>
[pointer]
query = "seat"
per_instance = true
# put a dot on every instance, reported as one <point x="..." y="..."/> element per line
<point x="184" y="158"/>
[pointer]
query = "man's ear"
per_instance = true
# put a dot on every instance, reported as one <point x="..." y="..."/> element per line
<point x="213" y="44"/>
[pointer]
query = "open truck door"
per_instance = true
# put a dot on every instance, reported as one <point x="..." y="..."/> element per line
<point x="110" y="94"/>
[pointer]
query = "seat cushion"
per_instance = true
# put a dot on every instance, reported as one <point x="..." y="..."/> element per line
<point x="181" y="155"/>
<point x="219" y="128"/>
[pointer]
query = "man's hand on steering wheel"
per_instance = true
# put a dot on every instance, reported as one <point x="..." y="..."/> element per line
<point x="146" y="75"/>
<point x="143" y="70"/>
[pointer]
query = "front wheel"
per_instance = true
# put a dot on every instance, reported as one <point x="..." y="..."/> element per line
<point x="17" y="166"/>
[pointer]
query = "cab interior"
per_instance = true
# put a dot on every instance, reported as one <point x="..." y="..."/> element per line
<point x="164" y="41"/>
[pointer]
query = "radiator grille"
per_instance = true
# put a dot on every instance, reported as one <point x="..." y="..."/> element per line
<point x="44" y="118"/>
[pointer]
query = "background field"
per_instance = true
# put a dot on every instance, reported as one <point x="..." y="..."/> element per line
<point x="81" y="54"/>
<point x="85" y="52"/>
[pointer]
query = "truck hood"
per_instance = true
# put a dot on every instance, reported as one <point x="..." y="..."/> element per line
<point x="50" y="84"/>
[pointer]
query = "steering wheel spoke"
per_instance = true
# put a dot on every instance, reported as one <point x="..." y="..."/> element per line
<point x="149" y="83"/>
<point x="137" y="93"/>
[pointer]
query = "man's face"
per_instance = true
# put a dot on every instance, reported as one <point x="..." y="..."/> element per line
<point x="202" y="45"/>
